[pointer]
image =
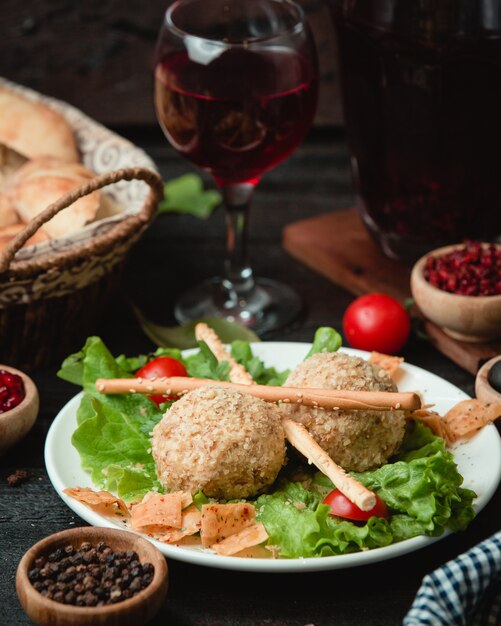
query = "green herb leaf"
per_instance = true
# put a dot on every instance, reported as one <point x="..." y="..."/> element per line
<point x="242" y="353"/>
<point x="204" y="364"/>
<point x="131" y="364"/>
<point x="199" y="499"/>
<point x="186" y="195"/>
<point x="326" y="340"/>
<point x="183" y="337"/>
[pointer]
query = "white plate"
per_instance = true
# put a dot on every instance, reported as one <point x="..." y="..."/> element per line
<point x="479" y="461"/>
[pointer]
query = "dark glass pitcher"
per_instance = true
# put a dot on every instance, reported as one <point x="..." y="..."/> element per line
<point x="421" y="90"/>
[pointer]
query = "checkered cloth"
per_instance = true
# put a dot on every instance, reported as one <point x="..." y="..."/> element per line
<point x="464" y="592"/>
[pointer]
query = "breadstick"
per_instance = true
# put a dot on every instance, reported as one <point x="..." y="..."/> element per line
<point x="238" y="373"/>
<point x="317" y="397"/>
<point x="301" y="439"/>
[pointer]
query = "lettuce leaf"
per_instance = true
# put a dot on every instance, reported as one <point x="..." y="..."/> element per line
<point x="422" y="490"/>
<point x="132" y="483"/>
<point x="297" y="521"/>
<point x="113" y="450"/>
<point x="96" y="361"/>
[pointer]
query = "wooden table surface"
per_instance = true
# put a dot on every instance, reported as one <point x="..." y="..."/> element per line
<point x="175" y="253"/>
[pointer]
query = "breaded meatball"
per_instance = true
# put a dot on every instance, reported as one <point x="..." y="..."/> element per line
<point x="356" y="440"/>
<point x="223" y="442"/>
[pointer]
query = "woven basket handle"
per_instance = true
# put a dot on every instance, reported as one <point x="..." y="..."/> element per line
<point x="131" y="173"/>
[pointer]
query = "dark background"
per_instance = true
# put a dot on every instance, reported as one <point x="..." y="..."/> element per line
<point x="97" y="54"/>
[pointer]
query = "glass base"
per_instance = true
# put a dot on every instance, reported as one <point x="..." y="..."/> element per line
<point x="269" y="306"/>
<point x="397" y="247"/>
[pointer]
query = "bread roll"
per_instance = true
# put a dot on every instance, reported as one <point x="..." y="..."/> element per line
<point x="34" y="129"/>
<point x="40" y="182"/>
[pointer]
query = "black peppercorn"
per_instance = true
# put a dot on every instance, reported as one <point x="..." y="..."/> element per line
<point x="148" y="568"/>
<point x="90" y="576"/>
<point x="58" y="596"/>
<point x="70" y="597"/>
<point x="135" y="585"/>
<point x="57" y="555"/>
<point x="34" y="574"/>
<point x="40" y="562"/>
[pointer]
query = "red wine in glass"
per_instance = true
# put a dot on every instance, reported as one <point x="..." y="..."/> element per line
<point x="235" y="92"/>
<point x="236" y="130"/>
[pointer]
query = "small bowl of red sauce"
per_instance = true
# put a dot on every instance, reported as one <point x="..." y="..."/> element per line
<point x="19" y="405"/>
<point x="458" y="288"/>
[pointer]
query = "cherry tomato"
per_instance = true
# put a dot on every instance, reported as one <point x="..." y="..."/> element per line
<point x="342" y="507"/>
<point x="376" y="322"/>
<point x="159" y="367"/>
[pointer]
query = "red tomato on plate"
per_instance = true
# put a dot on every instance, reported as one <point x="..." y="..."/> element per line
<point x="376" y="322"/>
<point x="159" y="367"/>
<point x="342" y="507"/>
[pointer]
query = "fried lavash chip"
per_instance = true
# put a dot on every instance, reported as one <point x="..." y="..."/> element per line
<point x="387" y="362"/>
<point x="462" y="421"/>
<point x="102" y="502"/>
<point x="469" y="416"/>
<point x="229" y="529"/>
<point x="158" y="512"/>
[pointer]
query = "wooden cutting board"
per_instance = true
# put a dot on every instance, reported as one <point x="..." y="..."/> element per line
<point x="338" y="246"/>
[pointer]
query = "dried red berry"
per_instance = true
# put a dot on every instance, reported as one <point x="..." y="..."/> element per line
<point x="473" y="270"/>
<point x="11" y="390"/>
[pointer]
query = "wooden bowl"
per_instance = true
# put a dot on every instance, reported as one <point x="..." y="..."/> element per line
<point x="131" y="612"/>
<point x="467" y="318"/>
<point x="483" y="389"/>
<point x="15" y="423"/>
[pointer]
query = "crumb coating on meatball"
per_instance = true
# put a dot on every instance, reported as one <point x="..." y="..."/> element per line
<point x="223" y="442"/>
<point x="356" y="440"/>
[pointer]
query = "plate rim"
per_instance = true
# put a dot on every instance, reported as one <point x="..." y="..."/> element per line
<point x="296" y="565"/>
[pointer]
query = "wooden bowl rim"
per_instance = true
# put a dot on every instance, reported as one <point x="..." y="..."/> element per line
<point x="481" y="380"/>
<point x="31" y="394"/>
<point x="417" y="275"/>
<point x="86" y="533"/>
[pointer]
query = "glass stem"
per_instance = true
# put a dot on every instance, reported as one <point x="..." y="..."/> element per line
<point x="238" y="281"/>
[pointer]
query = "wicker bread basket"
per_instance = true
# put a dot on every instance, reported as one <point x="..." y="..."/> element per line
<point x="50" y="303"/>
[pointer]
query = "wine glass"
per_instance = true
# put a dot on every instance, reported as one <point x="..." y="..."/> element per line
<point x="235" y="93"/>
